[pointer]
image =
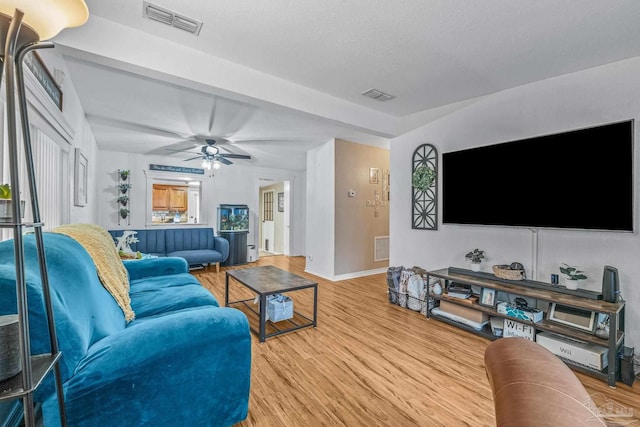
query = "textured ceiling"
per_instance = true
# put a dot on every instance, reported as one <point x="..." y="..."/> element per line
<point x="428" y="53"/>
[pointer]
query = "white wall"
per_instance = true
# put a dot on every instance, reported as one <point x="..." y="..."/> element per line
<point x="321" y="210"/>
<point x="68" y="128"/>
<point x="230" y="184"/>
<point x="600" y="95"/>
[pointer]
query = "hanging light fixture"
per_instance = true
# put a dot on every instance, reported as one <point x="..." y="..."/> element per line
<point x="24" y="24"/>
<point x="216" y="164"/>
<point x="206" y="164"/>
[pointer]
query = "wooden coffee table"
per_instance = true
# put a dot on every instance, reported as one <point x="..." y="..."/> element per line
<point x="269" y="280"/>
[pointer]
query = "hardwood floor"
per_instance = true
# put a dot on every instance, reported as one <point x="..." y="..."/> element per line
<point x="371" y="363"/>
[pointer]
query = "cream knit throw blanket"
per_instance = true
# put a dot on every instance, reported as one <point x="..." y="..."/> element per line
<point x="112" y="273"/>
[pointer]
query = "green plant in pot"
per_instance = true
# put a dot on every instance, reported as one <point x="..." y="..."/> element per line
<point x="124" y="212"/>
<point x="124" y="174"/>
<point x="6" y="210"/>
<point x="124" y="188"/>
<point x="572" y="276"/>
<point x="123" y="200"/>
<point x="475" y="257"/>
<point x="423" y="178"/>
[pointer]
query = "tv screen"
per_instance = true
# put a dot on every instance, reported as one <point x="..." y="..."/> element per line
<point x="582" y="179"/>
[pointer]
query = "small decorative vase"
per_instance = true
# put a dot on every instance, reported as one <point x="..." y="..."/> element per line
<point x="6" y="211"/>
<point x="571" y="284"/>
<point x="9" y="346"/>
<point x="475" y="266"/>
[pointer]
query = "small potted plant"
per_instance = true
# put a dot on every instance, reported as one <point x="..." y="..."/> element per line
<point x="124" y="174"/>
<point x="475" y="257"/>
<point x="123" y="200"/>
<point x="6" y="213"/>
<point x="124" y="212"/>
<point x="572" y="276"/>
<point x="423" y="178"/>
<point x="124" y="188"/>
<point x="6" y="210"/>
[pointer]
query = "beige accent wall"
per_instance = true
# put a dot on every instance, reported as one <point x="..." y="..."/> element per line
<point x="355" y="222"/>
<point x="278" y="217"/>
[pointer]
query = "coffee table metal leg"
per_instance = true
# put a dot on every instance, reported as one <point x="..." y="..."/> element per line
<point x="226" y="291"/>
<point x="315" y="306"/>
<point x="263" y="316"/>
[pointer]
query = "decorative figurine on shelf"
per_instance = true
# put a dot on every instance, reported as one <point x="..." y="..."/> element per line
<point x="475" y="256"/>
<point x="572" y="276"/>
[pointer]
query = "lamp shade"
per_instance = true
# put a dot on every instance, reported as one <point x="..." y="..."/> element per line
<point x="48" y="17"/>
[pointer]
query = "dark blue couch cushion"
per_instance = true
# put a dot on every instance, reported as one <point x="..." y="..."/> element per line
<point x="186" y="239"/>
<point x="197" y="256"/>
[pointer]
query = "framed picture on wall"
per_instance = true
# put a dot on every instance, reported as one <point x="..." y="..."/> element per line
<point x="80" y="179"/>
<point x="280" y="202"/>
<point x="373" y="176"/>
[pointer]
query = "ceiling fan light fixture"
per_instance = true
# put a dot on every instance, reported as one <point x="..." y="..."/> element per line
<point x="216" y="164"/>
<point x="206" y="164"/>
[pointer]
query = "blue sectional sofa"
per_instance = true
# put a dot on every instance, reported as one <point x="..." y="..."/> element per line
<point x="183" y="360"/>
<point x="199" y="246"/>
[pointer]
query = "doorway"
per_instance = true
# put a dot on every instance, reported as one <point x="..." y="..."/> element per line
<point x="274" y="219"/>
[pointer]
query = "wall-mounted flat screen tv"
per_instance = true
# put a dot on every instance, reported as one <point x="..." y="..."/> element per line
<point x="582" y="179"/>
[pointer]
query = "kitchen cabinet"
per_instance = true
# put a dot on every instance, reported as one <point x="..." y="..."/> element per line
<point x="170" y="197"/>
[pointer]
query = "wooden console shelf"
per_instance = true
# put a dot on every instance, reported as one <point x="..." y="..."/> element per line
<point x="615" y="311"/>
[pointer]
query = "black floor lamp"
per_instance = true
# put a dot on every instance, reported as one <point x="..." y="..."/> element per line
<point x="24" y="24"/>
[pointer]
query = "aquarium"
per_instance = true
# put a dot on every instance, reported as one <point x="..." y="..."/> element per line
<point x="233" y="218"/>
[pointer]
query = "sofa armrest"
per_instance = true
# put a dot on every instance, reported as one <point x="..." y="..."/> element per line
<point x="151" y="267"/>
<point x="532" y="387"/>
<point x="190" y="367"/>
<point x="221" y="245"/>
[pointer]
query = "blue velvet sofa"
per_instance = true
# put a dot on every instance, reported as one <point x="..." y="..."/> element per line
<point x="199" y="246"/>
<point x="183" y="361"/>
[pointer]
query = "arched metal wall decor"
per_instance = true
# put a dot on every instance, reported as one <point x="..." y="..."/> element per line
<point x="424" y="215"/>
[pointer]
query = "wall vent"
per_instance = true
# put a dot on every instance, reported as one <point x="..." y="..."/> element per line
<point x="380" y="248"/>
<point x="378" y="95"/>
<point x="169" y="17"/>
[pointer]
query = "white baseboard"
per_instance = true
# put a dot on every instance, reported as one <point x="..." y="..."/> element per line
<point x="348" y="275"/>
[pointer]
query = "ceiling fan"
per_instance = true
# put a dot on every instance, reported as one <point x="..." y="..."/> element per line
<point x="212" y="156"/>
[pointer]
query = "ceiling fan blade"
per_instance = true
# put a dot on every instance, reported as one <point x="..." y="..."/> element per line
<point x="193" y="158"/>
<point x="186" y="150"/>
<point x="135" y="126"/>
<point x="224" y="161"/>
<point x="235" y="156"/>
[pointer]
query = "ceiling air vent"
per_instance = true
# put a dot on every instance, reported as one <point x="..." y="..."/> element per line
<point x="168" y="17"/>
<point x="377" y="95"/>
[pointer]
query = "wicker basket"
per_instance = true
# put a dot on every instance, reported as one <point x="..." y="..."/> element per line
<point x="505" y="272"/>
